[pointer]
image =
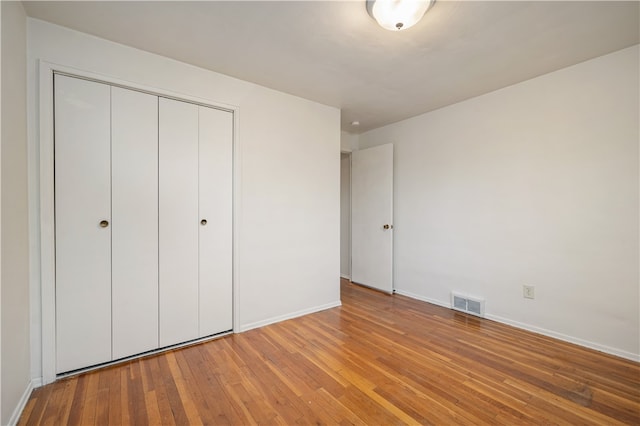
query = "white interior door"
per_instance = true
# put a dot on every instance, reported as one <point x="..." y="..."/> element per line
<point x="178" y="221"/>
<point x="134" y="231"/>
<point x="372" y="217"/>
<point x="215" y="242"/>
<point x="83" y="229"/>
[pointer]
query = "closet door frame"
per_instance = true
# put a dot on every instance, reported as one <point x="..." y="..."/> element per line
<point x="45" y="176"/>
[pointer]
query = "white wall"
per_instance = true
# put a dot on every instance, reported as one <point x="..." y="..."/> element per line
<point x="348" y="142"/>
<point x="345" y="215"/>
<point x="287" y="197"/>
<point x="15" y="257"/>
<point x="533" y="184"/>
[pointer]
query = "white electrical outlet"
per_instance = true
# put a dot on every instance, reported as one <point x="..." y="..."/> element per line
<point x="528" y="291"/>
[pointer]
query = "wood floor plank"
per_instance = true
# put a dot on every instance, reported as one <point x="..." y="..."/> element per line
<point x="27" y="411"/>
<point x="150" y="394"/>
<point x="90" y="399"/>
<point x="43" y="399"/>
<point x="181" y="406"/>
<point x="338" y="412"/>
<point x="54" y="407"/>
<point x="377" y="359"/>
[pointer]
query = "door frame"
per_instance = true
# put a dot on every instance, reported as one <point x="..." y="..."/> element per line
<point x="348" y="153"/>
<point x="45" y="213"/>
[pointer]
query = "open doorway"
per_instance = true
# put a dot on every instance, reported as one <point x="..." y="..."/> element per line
<point x="345" y="215"/>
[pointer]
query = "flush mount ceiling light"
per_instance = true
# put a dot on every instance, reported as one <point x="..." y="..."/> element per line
<point x="396" y="15"/>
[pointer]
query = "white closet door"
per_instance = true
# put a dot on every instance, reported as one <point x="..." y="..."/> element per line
<point x="216" y="159"/>
<point x="82" y="202"/>
<point x="134" y="151"/>
<point x="178" y="221"/>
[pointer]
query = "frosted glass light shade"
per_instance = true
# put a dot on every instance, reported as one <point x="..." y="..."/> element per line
<point x="396" y="15"/>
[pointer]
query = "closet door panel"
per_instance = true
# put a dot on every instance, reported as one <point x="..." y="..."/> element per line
<point x="134" y="148"/>
<point x="82" y="201"/>
<point x="178" y="221"/>
<point x="215" y="242"/>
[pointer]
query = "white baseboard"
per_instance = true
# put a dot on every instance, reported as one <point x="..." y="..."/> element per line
<point x="587" y="344"/>
<point x="422" y="298"/>
<point x="345" y="276"/>
<point x="257" y="324"/>
<point x="17" y="412"/>
<point x="566" y="338"/>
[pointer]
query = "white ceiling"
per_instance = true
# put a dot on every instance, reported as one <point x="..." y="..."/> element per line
<point x="334" y="53"/>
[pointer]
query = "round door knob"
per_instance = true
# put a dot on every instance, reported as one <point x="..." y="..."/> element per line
<point x="203" y="222"/>
<point x="104" y="223"/>
<point x="388" y="226"/>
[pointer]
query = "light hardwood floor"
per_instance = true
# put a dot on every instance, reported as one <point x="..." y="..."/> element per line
<point x="376" y="360"/>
